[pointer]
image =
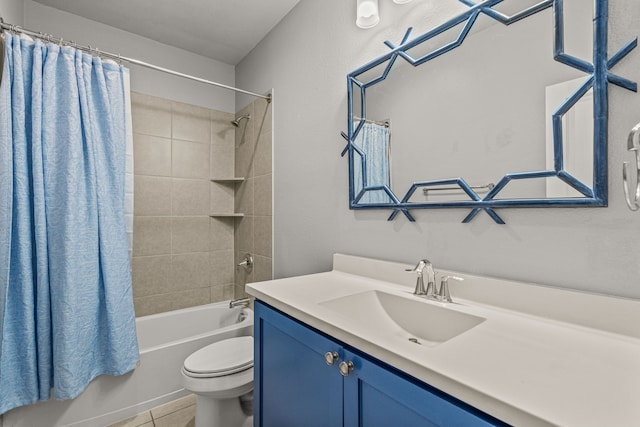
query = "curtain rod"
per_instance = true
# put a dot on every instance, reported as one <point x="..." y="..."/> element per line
<point x="386" y="123"/>
<point x="120" y="58"/>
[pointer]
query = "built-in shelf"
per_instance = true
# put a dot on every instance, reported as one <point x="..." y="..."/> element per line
<point x="227" y="180"/>
<point x="238" y="179"/>
<point x="230" y="215"/>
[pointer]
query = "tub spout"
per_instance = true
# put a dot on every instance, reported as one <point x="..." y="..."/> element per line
<point x="239" y="302"/>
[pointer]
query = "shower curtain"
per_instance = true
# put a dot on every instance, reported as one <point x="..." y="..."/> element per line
<point x="373" y="139"/>
<point x="66" y="308"/>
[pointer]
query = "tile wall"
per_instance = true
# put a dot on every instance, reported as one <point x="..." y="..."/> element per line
<point x="181" y="256"/>
<point x="253" y="196"/>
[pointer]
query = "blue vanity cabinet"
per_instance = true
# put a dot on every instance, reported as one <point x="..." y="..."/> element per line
<point x="295" y="386"/>
<point x="376" y="396"/>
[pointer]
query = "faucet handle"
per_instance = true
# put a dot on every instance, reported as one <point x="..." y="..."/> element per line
<point x="418" y="268"/>
<point x="443" y="292"/>
<point x="420" y="289"/>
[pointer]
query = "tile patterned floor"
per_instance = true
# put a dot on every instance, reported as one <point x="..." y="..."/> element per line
<point x="179" y="413"/>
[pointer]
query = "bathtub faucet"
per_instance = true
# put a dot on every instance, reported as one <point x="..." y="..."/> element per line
<point x="239" y="302"/>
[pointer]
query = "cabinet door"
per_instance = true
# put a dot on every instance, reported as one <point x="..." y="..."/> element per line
<point x="294" y="386"/>
<point x="377" y="397"/>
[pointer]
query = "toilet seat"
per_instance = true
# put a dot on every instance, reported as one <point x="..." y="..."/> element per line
<point x="221" y="358"/>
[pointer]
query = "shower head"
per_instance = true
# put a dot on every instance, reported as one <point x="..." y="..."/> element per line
<point x="236" y="122"/>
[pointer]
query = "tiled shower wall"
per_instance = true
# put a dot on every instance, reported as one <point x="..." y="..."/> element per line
<point x="181" y="256"/>
<point x="253" y="196"/>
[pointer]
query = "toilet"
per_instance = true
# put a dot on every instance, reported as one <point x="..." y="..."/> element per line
<point x="221" y="376"/>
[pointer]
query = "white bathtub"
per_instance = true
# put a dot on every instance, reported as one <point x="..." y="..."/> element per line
<point x="165" y="340"/>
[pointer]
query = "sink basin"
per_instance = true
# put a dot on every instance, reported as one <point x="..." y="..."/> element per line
<point x="408" y="318"/>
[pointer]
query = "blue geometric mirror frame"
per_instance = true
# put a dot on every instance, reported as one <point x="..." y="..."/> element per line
<point x="598" y="75"/>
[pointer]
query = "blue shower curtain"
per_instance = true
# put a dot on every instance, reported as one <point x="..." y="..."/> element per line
<point x="66" y="308"/>
<point x="373" y="140"/>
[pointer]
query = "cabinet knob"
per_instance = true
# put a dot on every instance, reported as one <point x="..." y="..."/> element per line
<point x="331" y="357"/>
<point x="345" y="368"/>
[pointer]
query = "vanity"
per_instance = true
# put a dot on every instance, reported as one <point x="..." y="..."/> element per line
<point x="355" y="346"/>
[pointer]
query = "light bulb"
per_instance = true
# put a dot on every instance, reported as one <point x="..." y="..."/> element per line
<point x="367" y="13"/>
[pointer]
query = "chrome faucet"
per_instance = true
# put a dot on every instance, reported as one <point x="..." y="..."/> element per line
<point x="430" y="291"/>
<point x="420" y="289"/>
<point x="244" y="302"/>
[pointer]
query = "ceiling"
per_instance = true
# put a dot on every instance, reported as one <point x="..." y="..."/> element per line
<point x="224" y="30"/>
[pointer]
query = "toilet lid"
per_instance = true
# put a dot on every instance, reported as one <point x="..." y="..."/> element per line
<point x="221" y="358"/>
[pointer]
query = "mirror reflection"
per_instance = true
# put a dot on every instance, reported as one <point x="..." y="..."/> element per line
<point x="483" y="112"/>
<point x="479" y="129"/>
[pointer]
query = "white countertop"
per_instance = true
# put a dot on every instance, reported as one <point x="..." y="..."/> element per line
<point x="542" y="357"/>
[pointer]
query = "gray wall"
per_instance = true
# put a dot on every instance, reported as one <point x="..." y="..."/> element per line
<point x="306" y="59"/>
<point x="12" y="11"/>
<point x="86" y="32"/>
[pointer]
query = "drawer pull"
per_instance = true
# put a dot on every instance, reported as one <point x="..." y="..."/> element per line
<point x="346" y="368"/>
<point x="331" y="357"/>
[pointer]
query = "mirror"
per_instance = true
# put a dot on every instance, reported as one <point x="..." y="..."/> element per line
<point x="530" y="132"/>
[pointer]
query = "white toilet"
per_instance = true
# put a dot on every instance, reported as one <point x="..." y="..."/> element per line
<point x="221" y="376"/>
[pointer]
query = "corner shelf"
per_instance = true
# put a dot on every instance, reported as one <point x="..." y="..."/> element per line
<point x="227" y="180"/>
<point x="226" y="215"/>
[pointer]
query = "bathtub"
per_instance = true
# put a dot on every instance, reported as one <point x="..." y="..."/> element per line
<point x="165" y="340"/>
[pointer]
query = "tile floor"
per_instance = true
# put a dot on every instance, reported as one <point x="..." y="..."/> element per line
<point x="179" y="413"/>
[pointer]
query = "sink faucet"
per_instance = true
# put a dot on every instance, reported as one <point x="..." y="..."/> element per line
<point x="431" y="278"/>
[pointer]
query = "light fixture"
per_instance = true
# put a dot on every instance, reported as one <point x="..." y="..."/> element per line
<point x="401" y="1"/>
<point x="367" y="12"/>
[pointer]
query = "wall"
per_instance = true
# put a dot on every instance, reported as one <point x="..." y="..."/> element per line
<point x="306" y="59"/>
<point x="181" y="256"/>
<point x="253" y="196"/>
<point x="12" y="11"/>
<point x="86" y="32"/>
